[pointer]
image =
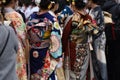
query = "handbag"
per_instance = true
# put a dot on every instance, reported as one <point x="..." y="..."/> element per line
<point x="5" y="44"/>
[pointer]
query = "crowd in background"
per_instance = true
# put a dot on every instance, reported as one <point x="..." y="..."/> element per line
<point x="59" y="40"/>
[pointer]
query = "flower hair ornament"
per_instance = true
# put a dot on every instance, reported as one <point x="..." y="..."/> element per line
<point x="50" y="5"/>
<point x="73" y="2"/>
<point x="37" y="2"/>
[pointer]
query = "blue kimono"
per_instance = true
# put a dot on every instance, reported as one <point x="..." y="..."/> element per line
<point x="45" y="40"/>
<point x="64" y="14"/>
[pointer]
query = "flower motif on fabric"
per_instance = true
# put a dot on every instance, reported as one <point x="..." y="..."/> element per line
<point x="35" y="54"/>
<point x="35" y="77"/>
<point x="56" y="25"/>
<point x="55" y="43"/>
<point x="56" y="47"/>
<point x="47" y="64"/>
<point x="81" y="53"/>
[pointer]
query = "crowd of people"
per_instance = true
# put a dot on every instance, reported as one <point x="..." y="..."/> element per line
<point x="59" y="40"/>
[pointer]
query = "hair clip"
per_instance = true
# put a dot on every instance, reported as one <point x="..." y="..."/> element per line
<point x="49" y="6"/>
<point x="73" y="2"/>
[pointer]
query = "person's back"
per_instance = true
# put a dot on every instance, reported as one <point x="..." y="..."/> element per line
<point x="8" y="53"/>
<point x="113" y="46"/>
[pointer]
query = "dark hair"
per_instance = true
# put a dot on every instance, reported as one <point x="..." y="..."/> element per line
<point x="44" y="4"/>
<point x="79" y="4"/>
<point x="7" y="2"/>
<point x="26" y="4"/>
<point x="67" y="2"/>
<point x="99" y="2"/>
<point x="61" y="6"/>
<point x="33" y="4"/>
<point x="20" y="3"/>
<point x="56" y="1"/>
<point x="53" y="4"/>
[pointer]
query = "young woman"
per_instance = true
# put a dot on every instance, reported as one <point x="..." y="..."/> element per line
<point x="99" y="41"/>
<point x="8" y="50"/>
<point x="19" y="27"/>
<point x="45" y="41"/>
<point x="75" y="42"/>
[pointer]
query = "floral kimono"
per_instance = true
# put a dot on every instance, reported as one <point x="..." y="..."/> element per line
<point x="99" y="42"/>
<point x="45" y="40"/>
<point x="19" y="28"/>
<point x="76" y="46"/>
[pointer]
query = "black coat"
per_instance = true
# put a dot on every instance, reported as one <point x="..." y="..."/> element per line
<point x="113" y="8"/>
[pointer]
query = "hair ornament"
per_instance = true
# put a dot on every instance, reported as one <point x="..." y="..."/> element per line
<point x="50" y="5"/>
<point x="37" y="2"/>
<point x="73" y="2"/>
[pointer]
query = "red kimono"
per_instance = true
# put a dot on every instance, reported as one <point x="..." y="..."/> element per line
<point x="76" y="46"/>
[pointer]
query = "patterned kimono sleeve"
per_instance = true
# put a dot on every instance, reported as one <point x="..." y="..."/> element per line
<point x="56" y="46"/>
<point x="99" y="17"/>
<point x="91" y="25"/>
<point x="18" y="25"/>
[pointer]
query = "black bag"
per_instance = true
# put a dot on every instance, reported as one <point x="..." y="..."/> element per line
<point x="5" y="44"/>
